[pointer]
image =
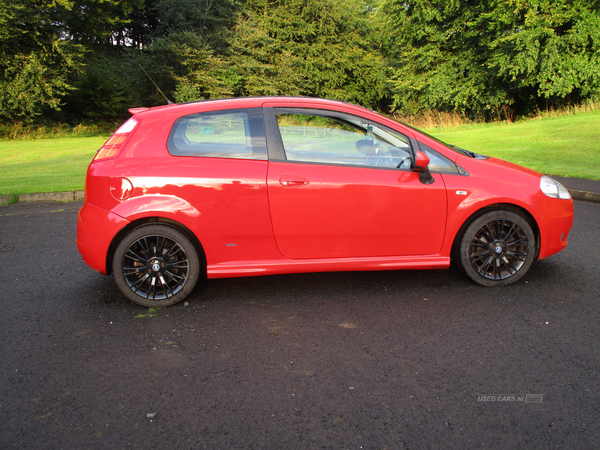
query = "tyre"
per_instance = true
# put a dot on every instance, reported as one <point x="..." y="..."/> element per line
<point x="497" y="248"/>
<point x="156" y="266"/>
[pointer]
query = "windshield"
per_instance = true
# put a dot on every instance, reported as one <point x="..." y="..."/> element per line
<point x="462" y="151"/>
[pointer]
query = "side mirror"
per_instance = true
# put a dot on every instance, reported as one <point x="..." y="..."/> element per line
<point x="422" y="168"/>
<point x="422" y="163"/>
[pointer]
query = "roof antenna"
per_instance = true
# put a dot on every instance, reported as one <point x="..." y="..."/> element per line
<point x="169" y="102"/>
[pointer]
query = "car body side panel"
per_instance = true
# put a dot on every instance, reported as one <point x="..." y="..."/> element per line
<point x="344" y="211"/>
<point x="494" y="182"/>
<point x="467" y="196"/>
<point x="223" y="201"/>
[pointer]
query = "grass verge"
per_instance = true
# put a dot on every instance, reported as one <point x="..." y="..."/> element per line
<point x="559" y="145"/>
<point x="567" y="146"/>
<point x="45" y="165"/>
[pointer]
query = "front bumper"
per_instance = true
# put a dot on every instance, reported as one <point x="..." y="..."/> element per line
<point x="555" y="219"/>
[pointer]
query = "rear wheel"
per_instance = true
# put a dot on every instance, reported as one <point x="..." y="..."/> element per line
<point x="156" y="266"/>
<point x="497" y="248"/>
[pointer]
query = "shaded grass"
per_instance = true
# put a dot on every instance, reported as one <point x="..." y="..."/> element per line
<point x="567" y="146"/>
<point x="24" y="131"/>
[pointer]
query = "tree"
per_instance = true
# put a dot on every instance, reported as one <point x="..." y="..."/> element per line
<point x="210" y="20"/>
<point x="300" y="47"/>
<point x="553" y="51"/>
<point x="35" y="63"/>
<point x="484" y="57"/>
<point x="109" y="85"/>
<point x="97" y="23"/>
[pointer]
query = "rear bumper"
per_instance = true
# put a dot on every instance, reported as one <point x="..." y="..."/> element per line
<point x="555" y="219"/>
<point x="96" y="228"/>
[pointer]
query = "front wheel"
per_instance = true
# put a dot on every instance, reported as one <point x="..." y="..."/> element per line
<point x="497" y="248"/>
<point x="156" y="266"/>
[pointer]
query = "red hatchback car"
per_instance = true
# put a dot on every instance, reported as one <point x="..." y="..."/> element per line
<point x="273" y="185"/>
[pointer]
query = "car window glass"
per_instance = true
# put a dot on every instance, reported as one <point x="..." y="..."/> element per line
<point x="347" y="140"/>
<point x="220" y="134"/>
<point x="437" y="161"/>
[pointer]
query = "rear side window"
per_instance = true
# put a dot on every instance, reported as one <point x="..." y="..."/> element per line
<point x="234" y="133"/>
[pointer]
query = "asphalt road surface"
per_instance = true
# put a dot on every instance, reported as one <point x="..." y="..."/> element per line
<point x="373" y="360"/>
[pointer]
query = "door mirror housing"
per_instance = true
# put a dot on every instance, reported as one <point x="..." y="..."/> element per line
<point x="422" y="162"/>
<point x="422" y="168"/>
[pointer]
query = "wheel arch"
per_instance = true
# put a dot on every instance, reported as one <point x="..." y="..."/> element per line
<point x="156" y="220"/>
<point x="496" y="207"/>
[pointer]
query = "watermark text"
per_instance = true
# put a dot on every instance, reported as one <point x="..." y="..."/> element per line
<point x="516" y="398"/>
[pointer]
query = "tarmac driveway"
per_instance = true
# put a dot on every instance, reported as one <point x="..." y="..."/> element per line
<point x="376" y="360"/>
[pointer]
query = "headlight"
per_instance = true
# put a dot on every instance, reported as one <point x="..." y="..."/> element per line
<point x="553" y="188"/>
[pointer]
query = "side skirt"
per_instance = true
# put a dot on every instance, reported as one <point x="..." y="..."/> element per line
<point x="284" y="266"/>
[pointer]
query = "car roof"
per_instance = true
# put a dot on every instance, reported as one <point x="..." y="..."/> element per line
<point x="249" y="102"/>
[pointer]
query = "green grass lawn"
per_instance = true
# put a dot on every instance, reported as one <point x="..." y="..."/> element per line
<point x="567" y="146"/>
<point x="45" y="165"/>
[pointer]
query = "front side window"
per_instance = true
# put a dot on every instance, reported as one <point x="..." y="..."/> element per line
<point x="438" y="162"/>
<point x="220" y="134"/>
<point x="316" y="137"/>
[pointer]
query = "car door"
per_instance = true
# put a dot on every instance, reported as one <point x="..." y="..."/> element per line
<point x="340" y="186"/>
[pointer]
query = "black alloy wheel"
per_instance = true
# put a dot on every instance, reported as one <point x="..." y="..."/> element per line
<point x="497" y="248"/>
<point x="156" y="266"/>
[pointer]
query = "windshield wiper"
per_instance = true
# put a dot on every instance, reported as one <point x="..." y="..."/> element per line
<point x="463" y="151"/>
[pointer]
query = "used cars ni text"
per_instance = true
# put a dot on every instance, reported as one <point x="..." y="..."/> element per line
<point x="275" y="185"/>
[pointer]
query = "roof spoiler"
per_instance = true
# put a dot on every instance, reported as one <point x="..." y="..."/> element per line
<point x="134" y="111"/>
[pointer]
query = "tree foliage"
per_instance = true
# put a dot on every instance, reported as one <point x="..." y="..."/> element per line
<point x="287" y="47"/>
<point x="107" y="87"/>
<point x="90" y="60"/>
<point x="96" y="22"/>
<point x="484" y="56"/>
<point x="35" y="63"/>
